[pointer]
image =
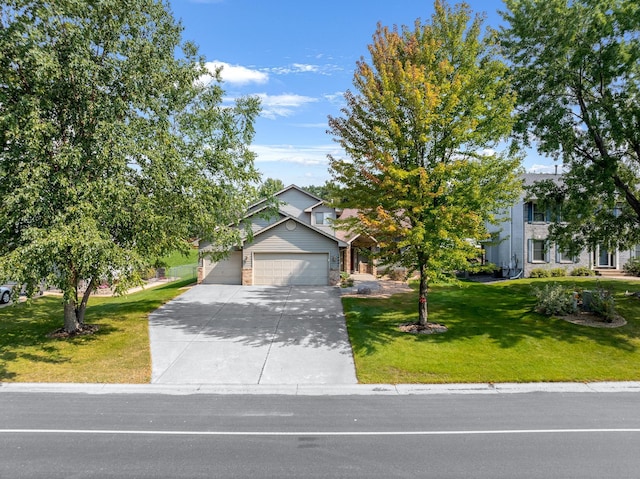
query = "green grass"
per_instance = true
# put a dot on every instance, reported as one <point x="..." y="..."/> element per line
<point x="179" y="259"/>
<point x="117" y="353"/>
<point x="494" y="336"/>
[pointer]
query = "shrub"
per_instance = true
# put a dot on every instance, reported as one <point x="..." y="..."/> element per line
<point x="603" y="304"/>
<point x="397" y="274"/>
<point x="558" y="272"/>
<point x="582" y="271"/>
<point x="346" y="281"/>
<point x="632" y="266"/>
<point x="148" y="273"/>
<point x="540" y="273"/>
<point x="555" y="299"/>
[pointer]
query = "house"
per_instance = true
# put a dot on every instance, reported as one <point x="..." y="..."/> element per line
<point x="299" y="246"/>
<point x="520" y="244"/>
<point x="356" y="256"/>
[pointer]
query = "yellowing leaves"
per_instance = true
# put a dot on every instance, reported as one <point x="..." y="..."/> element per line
<point x="431" y="97"/>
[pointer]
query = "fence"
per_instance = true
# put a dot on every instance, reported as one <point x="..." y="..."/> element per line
<point x="184" y="271"/>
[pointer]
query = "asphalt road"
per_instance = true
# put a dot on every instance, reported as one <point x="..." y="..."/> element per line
<point x="536" y="435"/>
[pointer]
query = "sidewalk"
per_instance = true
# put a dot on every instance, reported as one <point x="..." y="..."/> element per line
<point x="324" y="389"/>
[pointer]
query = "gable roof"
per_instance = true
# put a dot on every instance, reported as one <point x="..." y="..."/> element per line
<point x="529" y="179"/>
<point x="284" y="190"/>
<point x="311" y="208"/>
<point x="312" y="228"/>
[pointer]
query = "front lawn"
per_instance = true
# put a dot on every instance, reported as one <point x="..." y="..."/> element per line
<point x="494" y="336"/>
<point x="117" y="353"/>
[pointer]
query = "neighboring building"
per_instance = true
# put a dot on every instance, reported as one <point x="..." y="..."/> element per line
<point x="521" y="242"/>
<point x="298" y="246"/>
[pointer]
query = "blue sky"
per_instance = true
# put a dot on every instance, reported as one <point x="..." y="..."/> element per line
<point x="298" y="56"/>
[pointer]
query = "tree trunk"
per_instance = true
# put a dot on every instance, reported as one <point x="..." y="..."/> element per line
<point x="74" y="310"/>
<point x="422" y="296"/>
<point x="80" y="310"/>
<point x="71" y="323"/>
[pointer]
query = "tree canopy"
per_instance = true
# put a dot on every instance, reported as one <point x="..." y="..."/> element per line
<point x="419" y="131"/>
<point x="576" y="69"/>
<point x="323" y="192"/>
<point x="269" y="187"/>
<point x="115" y="146"/>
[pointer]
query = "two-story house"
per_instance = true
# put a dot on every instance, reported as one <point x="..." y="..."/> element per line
<point x="299" y="246"/>
<point x="521" y="242"/>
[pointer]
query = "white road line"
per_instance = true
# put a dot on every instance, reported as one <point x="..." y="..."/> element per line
<point x="314" y="433"/>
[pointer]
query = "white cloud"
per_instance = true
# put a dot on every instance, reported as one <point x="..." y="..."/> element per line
<point x="304" y="68"/>
<point x="537" y="168"/>
<point x="236" y="74"/>
<point x="336" y="98"/>
<point x="282" y="105"/>
<point x="295" y="68"/>
<point x="312" y="155"/>
<point x="487" y="152"/>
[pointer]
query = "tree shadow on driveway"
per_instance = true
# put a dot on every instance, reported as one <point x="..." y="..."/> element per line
<point x="244" y="334"/>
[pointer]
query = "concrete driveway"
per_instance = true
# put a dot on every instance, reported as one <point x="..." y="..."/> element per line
<point x="219" y="334"/>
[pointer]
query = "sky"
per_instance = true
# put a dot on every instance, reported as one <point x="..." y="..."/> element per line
<point x="298" y="57"/>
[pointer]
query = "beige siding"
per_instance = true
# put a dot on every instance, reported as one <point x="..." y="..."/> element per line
<point x="299" y="240"/>
<point x="226" y="271"/>
<point x="258" y="223"/>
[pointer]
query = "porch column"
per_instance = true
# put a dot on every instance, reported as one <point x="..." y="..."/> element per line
<point x="347" y="259"/>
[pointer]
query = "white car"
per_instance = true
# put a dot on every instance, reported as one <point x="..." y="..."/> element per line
<point x="5" y="294"/>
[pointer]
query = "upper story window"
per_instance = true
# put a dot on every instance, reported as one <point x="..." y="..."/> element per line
<point x="323" y="218"/>
<point x="536" y="213"/>
<point x="617" y="210"/>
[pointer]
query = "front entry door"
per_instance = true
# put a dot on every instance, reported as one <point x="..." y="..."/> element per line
<point x="605" y="258"/>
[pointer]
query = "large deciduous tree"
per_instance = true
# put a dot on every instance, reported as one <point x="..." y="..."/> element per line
<point x="418" y="134"/>
<point x="576" y="69"/>
<point x="115" y="145"/>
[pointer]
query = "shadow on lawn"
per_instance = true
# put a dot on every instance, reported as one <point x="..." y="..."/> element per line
<point x="505" y="315"/>
<point x="25" y="327"/>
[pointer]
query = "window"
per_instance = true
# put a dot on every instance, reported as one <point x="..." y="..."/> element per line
<point x="323" y="218"/>
<point x="536" y="213"/>
<point x="617" y="210"/>
<point x="538" y="251"/>
<point x="564" y="257"/>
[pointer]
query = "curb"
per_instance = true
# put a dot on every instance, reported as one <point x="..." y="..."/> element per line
<point x="322" y="389"/>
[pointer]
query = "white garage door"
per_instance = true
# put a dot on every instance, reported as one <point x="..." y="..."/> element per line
<point x="291" y="269"/>
<point x="227" y="271"/>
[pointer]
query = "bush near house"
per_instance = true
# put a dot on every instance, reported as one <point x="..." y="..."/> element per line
<point x="632" y="266"/>
<point x="582" y="271"/>
<point x="558" y="272"/>
<point x="540" y="273"/>
<point x="548" y="273"/>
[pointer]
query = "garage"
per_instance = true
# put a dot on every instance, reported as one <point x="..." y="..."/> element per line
<point x="226" y="271"/>
<point x="284" y="269"/>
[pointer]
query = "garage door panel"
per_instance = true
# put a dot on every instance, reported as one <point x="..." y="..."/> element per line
<point x="226" y="271"/>
<point x="285" y="269"/>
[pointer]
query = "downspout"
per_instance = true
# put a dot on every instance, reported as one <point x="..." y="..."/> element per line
<point x="511" y="237"/>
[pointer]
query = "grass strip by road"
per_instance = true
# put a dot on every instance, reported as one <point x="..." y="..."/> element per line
<point x="117" y="353"/>
<point x="494" y="335"/>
